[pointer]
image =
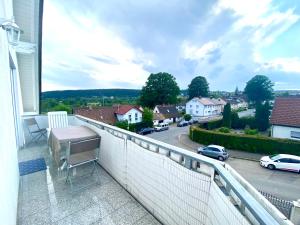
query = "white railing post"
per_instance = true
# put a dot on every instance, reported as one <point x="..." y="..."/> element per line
<point x="295" y="214"/>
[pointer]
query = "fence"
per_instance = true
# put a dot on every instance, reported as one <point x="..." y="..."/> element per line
<point x="282" y="205"/>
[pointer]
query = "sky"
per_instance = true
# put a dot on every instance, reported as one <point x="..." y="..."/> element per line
<point x="117" y="44"/>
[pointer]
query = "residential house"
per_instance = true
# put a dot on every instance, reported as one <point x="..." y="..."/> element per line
<point x="237" y="103"/>
<point x="133" y="114"/>
<point x="112" y="114"/>
<point x="285" y="118"/>
<point x="180" y="107"/>
<point x="204" y="107"/>
<point x="166" y="114"/>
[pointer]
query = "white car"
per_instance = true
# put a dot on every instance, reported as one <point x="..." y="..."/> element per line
<point x="281" y="162"/>
<point x="161" y="127"/>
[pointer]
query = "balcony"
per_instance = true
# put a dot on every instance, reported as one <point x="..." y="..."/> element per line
<point x="140" y="181"/>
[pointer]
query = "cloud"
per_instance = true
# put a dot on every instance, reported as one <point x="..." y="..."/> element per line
<point x="115" y="43"/>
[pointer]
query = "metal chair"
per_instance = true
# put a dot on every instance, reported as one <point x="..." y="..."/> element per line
<point x="80" y="153"/>
<point x="34" y="130"/>
<point x="56" y="120"/>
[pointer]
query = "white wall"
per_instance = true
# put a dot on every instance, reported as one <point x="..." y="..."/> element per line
<point x="9" y="173"/>
<point x="284" y="132"/>
<point x="131" y="112"/>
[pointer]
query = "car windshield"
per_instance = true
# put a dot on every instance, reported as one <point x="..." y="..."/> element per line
<point x="275" y="157"/>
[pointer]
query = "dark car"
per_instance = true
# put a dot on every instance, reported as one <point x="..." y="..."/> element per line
<point x="182" y="123"/>
<point x="214" y="151"/>
<point x="147" y="130"/>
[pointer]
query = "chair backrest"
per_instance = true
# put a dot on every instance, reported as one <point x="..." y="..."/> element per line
<point x="87" y="146"/>
<point x="30" y="123"/>
<point x="57" y="119"/>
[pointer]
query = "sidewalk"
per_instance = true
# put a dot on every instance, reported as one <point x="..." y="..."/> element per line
<point x="185" y="140"/>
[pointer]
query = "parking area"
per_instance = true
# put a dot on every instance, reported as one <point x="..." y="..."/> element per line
<point x="285" y="185"/>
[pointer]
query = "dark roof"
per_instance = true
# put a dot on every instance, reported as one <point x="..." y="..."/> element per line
<point x="168" y="111"/>
<point x="103" y="114"/>
<point x="286" y="112"/>
<point x="122" y="109"/>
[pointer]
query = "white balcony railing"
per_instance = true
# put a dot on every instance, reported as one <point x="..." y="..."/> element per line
<point x="178" y="186"/>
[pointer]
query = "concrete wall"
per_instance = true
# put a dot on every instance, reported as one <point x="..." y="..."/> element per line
<point x="284" y="132"/>
<point x="9" y="173"/>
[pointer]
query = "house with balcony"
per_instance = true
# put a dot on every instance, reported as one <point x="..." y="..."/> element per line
<point x="204" y="107"/>
<point x="112" y="114"/>
<point x="285" y="118"/>
<point x="138" y="181"/>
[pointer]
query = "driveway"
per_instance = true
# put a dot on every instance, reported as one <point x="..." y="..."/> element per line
<point x="285" y="185"/>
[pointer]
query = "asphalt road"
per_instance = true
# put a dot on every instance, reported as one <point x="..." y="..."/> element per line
<point x="285" y="185"/>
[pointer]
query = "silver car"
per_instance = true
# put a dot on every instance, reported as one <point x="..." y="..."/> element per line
<point x="214" y="151"/>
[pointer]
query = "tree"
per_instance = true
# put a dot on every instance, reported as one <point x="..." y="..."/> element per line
<point x="198" y="87"/>
<point x="227" y="116"/>
<point x="235" y="120"/>
<point x="160" y="88"/>
<point x="148" y="117"/>
<point x="62" y="107"/>
<point x="236" y="92"/>
<point x="187" y="117"/>
<point x="262" y="115"/>
<point x="259" y="89"/>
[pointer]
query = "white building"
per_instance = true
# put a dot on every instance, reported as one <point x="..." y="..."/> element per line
<point x="204" y="107"/>
<point x="285" y="118"/>
<point x="128" y="112"/>
<point x="136" y="167"/>
<point x="237" y="103"/>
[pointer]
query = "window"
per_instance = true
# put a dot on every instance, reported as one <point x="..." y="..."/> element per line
<point x="294" y="161"/>
<point x="284" y="160"/>
<point x="136" y="116"/>
<point x="197" y="106"/>
<point x="295" y="134"/>
<point x="196" y="112"/>
<point x="191" y="106"/>
<point x="129" y="118"/>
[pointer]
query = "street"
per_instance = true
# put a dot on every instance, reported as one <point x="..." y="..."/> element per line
<point x="285" y="185"/>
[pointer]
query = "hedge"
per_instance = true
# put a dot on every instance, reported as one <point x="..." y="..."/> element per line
<point x="211" y="125"/>
<point x="247" y="143"/>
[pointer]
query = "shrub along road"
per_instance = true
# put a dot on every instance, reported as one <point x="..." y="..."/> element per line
<point x="285" y="185"/>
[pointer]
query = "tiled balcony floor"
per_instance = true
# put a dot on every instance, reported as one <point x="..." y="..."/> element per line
<point x="45" y="197"/>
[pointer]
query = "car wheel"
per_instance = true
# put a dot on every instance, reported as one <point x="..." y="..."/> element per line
<point x="271" y="167"/>
<point x="220" y="158"/>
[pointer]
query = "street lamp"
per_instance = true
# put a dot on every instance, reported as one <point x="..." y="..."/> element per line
<point x="12" y="30"/>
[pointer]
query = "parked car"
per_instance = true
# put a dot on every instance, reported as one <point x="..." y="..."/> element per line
<point x="192" y="121"/>
<point x="161" y="127"/>
<point x="214" y="151"/>
<point x="147" y="130"/>
<point x="281" y="162"/>
<point x="182" y="123"/>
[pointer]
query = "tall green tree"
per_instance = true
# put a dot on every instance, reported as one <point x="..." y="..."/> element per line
<point x="259" y="89"/>
<point x="262" y="115"/>
<point x="227" y="116"/>
<point x="148" y="117"/>
<point x="160" y="88"/>
<point x="198" y="87"/>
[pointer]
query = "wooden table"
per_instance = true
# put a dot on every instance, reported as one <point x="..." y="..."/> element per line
<point x="60" y="137"/>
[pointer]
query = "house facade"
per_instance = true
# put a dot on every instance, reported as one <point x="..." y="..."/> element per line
<point x="204" y="107"/>
<point x="130" y="113"/>
<point x="285" y="118"/>
<point x="237" y="103"/>
<point x="165" y="114"/>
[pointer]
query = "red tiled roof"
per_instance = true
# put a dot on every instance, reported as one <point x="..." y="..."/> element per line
<point x="122" y="109"/>
<point x="286" y="112"/>
<point x="102" y="114"/>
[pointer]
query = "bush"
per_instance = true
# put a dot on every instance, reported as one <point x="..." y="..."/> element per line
<point x="249" y="131"/>
<point x="248" y="143"/>
<point x="187" y="117"/>
<point x="241" y="123"/>
<point x="122" y="124"/>
<point x="211" y="125"/>
<point x="224" y="130"/>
